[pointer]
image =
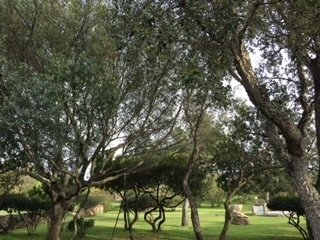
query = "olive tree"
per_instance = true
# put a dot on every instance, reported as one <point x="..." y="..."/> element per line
<point x="79" y="83"/>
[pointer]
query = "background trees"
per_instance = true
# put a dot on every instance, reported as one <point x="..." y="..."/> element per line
<point x="156" y="189"/>
<point x="239" y="156"/>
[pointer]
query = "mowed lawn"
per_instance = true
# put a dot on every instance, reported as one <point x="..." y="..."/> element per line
<point x="261" y="228"/>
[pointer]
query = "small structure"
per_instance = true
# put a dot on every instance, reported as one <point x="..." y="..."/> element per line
<point x="262" y="210"/>
<point x="259" y="210"/>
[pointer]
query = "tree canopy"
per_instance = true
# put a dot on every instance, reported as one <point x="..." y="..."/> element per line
<point x="82" y="81"/>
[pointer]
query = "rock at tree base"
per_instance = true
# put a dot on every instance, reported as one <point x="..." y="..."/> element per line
<point x="239" y="219"/>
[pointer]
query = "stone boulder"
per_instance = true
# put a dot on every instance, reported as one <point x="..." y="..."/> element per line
<point x="239" y="218"/>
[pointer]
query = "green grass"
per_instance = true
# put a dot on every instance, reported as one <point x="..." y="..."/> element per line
<point x="260" y="228"/>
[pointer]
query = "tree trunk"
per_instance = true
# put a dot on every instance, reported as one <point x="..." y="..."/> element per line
<point x="309" y="196"/>
<point x="162" y="218"/>
<point x="185" y="213"/>
<point x="150" y="220"/>
<point x="227" y="220"/>
<point x="135" y="210"/>
<point x="194" y="124"/>
<point x="309" y="230"/>
<point x="315" y="71"/>
<point x="135" y="218"/>
<point x="194" y="210"/>
<point x="267" y="197"/>
<point x="59" y="210"/>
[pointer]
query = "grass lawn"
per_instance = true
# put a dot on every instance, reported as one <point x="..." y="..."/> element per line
<point x="261" y="228"/>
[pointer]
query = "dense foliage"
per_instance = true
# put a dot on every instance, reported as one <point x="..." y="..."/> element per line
<point x="31" y="209"/>
<point x="82" y="225"/>
<point x="286" y="203"/>
<point x="293" y="205"/>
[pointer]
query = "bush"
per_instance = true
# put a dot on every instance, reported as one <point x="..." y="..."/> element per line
<point x="10" y="222"/>
<point x="286" y="203"/>
<point x="32" y="210"/>
<point x="143" y="202"/>
<point x="291" y="204"/>
<point x="95" y="198"/>
<point x="82" y="226"/>
<point x="171" y="204"/>
<point x="239" y="199"/>
<point x="214" y="194"/>
<point x="107" y="201"/>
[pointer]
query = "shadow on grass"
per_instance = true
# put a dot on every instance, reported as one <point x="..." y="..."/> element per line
<point x="177" y="233"/>
<point x="182" y="233"/>
<point x="99" y="232"/>
<point x="261" y="228"/>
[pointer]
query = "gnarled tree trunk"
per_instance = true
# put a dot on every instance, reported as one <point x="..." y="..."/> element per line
<point x="194" y="208"/>
<point x="194" y="117"/>
<point x="309" y="196"/>
<point x="227" y="220"/>
<point x="59" y="210"/>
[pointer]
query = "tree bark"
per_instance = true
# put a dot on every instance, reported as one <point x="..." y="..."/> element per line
<point x="309" y="196"/>
<point x="227" y="207"/>
<point x="315" y="71"/>
<point x="186" y="187"/>
<point x="135" y="218"/>
<point x="126" y="225"/>
<point x="185" y="213"/>
<point x="162" y="218"/>
<point x="150" y="220"/>
<point x="59" y="210"/>
<point x="227" y="220"/>
<point x="194" y="209"/>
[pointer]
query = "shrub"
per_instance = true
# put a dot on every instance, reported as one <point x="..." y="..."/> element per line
<point x="141" y="204"/>
<point x="95" y="198"/>
<point x="107" y="202"/>
<point x="82" y="226"/>
<point x="171" y="204"/>
<point x="31" y="210"/>
<point x="10" y="222"/>
<point x="291" y="204"/>
<point x="243" y="199"/>
<point x="214" y="193"/>
<point x="286" y="203"/>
